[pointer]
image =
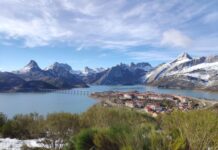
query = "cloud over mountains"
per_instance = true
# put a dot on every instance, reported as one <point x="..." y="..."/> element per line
<point x="118" y="24"/>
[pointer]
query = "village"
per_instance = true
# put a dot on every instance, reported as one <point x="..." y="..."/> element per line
<point x="149" y="102"/>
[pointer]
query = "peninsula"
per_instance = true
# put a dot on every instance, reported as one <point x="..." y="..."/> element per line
<point x="150" y="102"/>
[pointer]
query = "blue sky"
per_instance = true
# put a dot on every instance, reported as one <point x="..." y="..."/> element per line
<point x="102" y="33"/>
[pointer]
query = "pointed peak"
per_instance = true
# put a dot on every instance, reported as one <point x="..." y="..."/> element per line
<point x="31" y="66"/>
<point x="32" y="63"/>
<point x="184" y="56"/>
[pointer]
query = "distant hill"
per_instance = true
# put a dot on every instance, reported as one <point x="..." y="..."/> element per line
<point x="9" y="81"/>
<point x="13" y="83"/>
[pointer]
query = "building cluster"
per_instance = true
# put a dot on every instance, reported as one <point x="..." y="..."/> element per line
<point x="152" y="103"/>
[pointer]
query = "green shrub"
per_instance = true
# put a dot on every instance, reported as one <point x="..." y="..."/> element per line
<point x="194" y="129"/>
<point x="114" y="138"/>
<point x="59" y="127"/>
<point x="103" y="128"/>
<point x="98" y="116"/>
<point x="110" y="128"/>
<point x="3" y="120"/>
<point x="85" y="140"/>
<point x="24" y="127"/>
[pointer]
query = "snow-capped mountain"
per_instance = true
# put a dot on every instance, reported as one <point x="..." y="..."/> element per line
<point x="64" y="73"/>
<point x="59" y="75"/>
<point x="142" y="66"/>
<point x="124" y="74"/>
<point x="166" y="68"/>
<point x="31" y="66"/>
<point x="31" y="72"/>
<point x="57" y="66"/>
<point x="59" y="70"/>
<point x="186" y="72"/>
<point x="89" y="71"/>
<point x="101" y="69"/>
<point x="119" y="74"/>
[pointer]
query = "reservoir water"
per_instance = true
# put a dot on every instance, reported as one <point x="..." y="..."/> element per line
<point x="44" y="103"/>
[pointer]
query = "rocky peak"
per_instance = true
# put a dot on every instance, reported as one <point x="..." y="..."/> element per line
<point x="88" y="70"/>
<point x="58" y="66"/>
<point x="184" y="56"/>
<point x="31" y="66"/>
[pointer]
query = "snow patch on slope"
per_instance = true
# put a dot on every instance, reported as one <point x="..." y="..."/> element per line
<point x="191" y="71"/>
<point x="167" y="67"/>
<point x="15" y="144"/>
<point x="88" y="71"/>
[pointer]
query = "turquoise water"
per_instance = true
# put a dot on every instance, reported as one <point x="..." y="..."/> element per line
<point x="44" y="103"/>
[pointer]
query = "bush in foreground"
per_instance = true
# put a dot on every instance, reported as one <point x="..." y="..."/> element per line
<point x="103" y="128"/>
<point x="194" y="129"/>
<point x="3" y="120"/>
<point x="24" y="127"/>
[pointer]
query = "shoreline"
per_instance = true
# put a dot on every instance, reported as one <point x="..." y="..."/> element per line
<point x="130" y="99"/>
<point x="211" y="102"/>
<point x="128" y="89"/>
<point x="179" y="88"/>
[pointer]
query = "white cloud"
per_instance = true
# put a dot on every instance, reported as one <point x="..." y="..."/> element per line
<point x="118" y="24"/>
<point x="175" y="38"/>
<point x="92" y="23"/>
<point x="35" y="32"/>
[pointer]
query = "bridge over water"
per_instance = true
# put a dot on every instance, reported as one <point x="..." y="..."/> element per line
<point x="67" y="91"/>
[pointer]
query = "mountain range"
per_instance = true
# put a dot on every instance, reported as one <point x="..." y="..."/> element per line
<point x="184" y="72"/>
<point x="61" y="76"/>
<point x="123" y="74"/>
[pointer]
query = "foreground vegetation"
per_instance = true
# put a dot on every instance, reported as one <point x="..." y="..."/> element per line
<point x="102" y="128"/>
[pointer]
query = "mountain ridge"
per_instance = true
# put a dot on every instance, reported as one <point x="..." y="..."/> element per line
<point x="183" y="72"/>
<point x="62" y="76"/>
<point x="186" y="73"/>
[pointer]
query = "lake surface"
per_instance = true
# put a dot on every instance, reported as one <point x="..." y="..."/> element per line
<point x="44" y="103"/>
